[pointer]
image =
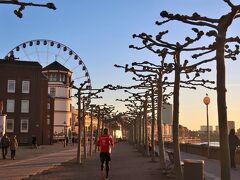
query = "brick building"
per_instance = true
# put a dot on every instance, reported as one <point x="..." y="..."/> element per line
<point x="24" y="91"/>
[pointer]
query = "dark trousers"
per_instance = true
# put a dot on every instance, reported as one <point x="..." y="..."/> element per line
<point x="4" y="152"/>
<point x="13" y="152"/>
<point x="105" y="157"/>
<point x="232" y="157"/>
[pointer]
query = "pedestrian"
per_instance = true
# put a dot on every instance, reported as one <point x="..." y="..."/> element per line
<point x="149" y="145"/>
<point x="34" y="141"/>
<point x="5" y="144"/>
<point x="1" y="135"/>
<point x="234" y="142"/>
<point x="73" y="141"/>
<point x="66" y="140"/>
<point x="13" y="146"/>
<point x="105" y="142"/>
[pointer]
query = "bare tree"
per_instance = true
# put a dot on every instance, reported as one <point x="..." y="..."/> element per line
<point x="179" y="68"/>
<point x="219" y="30"/>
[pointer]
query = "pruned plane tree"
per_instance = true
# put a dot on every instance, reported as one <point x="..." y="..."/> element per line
<point x="220" y="47"/>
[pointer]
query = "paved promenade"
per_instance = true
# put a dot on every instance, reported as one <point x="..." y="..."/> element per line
<point x="31" y="161"/>
<point x="126" y="163"/>
<point x="57" y="162"/>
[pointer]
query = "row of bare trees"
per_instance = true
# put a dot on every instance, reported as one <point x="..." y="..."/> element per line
<point x="155" y="82"/>
<point x="100" y="112"/>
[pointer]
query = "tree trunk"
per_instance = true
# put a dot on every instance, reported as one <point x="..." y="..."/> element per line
<point x="84" y="132"/>
<point x="153" y="126"/>
<point x="132" y="130"/>
<point x="143" y="128"/>
<point x="98" y="129"/>
<point x="159" y="121"/>
<point x="146" y="127"/>
<point x="102" y="123"/>
<point x="222" y="108"/>
<point x="176" y="147"/>
<point x="139" y="130"/>
<point x="91" y="132"/>
<point x="135" y="132"/>
<point x="79" y="160"/>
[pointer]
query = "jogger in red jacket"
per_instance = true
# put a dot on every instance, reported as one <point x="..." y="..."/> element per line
<point x="105" y="142"/>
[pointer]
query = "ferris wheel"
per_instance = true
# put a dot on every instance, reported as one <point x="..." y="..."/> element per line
<point x="47" y="51"/>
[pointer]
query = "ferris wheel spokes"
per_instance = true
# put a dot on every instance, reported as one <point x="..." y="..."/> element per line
<point x="46" y="51"/>
<point x="37" y="53"/>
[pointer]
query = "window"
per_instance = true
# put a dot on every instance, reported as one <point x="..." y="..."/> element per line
<point x="62" y="77"/>
<point x="48" y="106"/>
<point x="53" y="77"/>
<point x="24" y="125"/>
<point x="9" y="125"/>
<point x="52" y="91"/>
<point x="25" y="106"/>
<point x="11" y="86"/>
<point x="25" y="86"/>
<point x="10" y="105"/>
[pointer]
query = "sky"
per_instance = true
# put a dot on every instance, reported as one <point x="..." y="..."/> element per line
<point x="100" y="33"/>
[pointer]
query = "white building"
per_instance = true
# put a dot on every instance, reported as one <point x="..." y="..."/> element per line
<point x="58" y="87"/>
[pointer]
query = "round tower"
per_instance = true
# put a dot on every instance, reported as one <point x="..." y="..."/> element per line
<point x="59" y="78"/>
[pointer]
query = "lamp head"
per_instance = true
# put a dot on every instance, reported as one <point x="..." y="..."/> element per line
<point x="51" y="6"/>
<point x="206" y="100"/>
<point x="18" y="13"/>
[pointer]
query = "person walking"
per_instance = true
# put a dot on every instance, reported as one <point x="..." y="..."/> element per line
<point x="5" y="144"/>
<point x="1" y="135"/>
<point x="13" y="147"/>
<point x="234" y="142"/>
<point x="105" y="142"/>
<point x="66" y="140"/>
<point x="73" y="141"/>
<point x="34" y="142"/>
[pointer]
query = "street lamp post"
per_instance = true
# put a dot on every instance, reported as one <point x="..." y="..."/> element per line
<point x="22" y="5"/>
<point x="206" y="101"/>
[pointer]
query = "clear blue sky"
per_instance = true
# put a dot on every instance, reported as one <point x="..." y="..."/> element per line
<point x="100" y="32"/>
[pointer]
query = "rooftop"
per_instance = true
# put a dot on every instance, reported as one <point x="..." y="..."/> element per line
<point x="56" y="66"/>
<point x="18" y="62"/>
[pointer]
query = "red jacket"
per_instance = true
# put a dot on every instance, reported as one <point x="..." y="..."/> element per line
<point x="105" y="142"/>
